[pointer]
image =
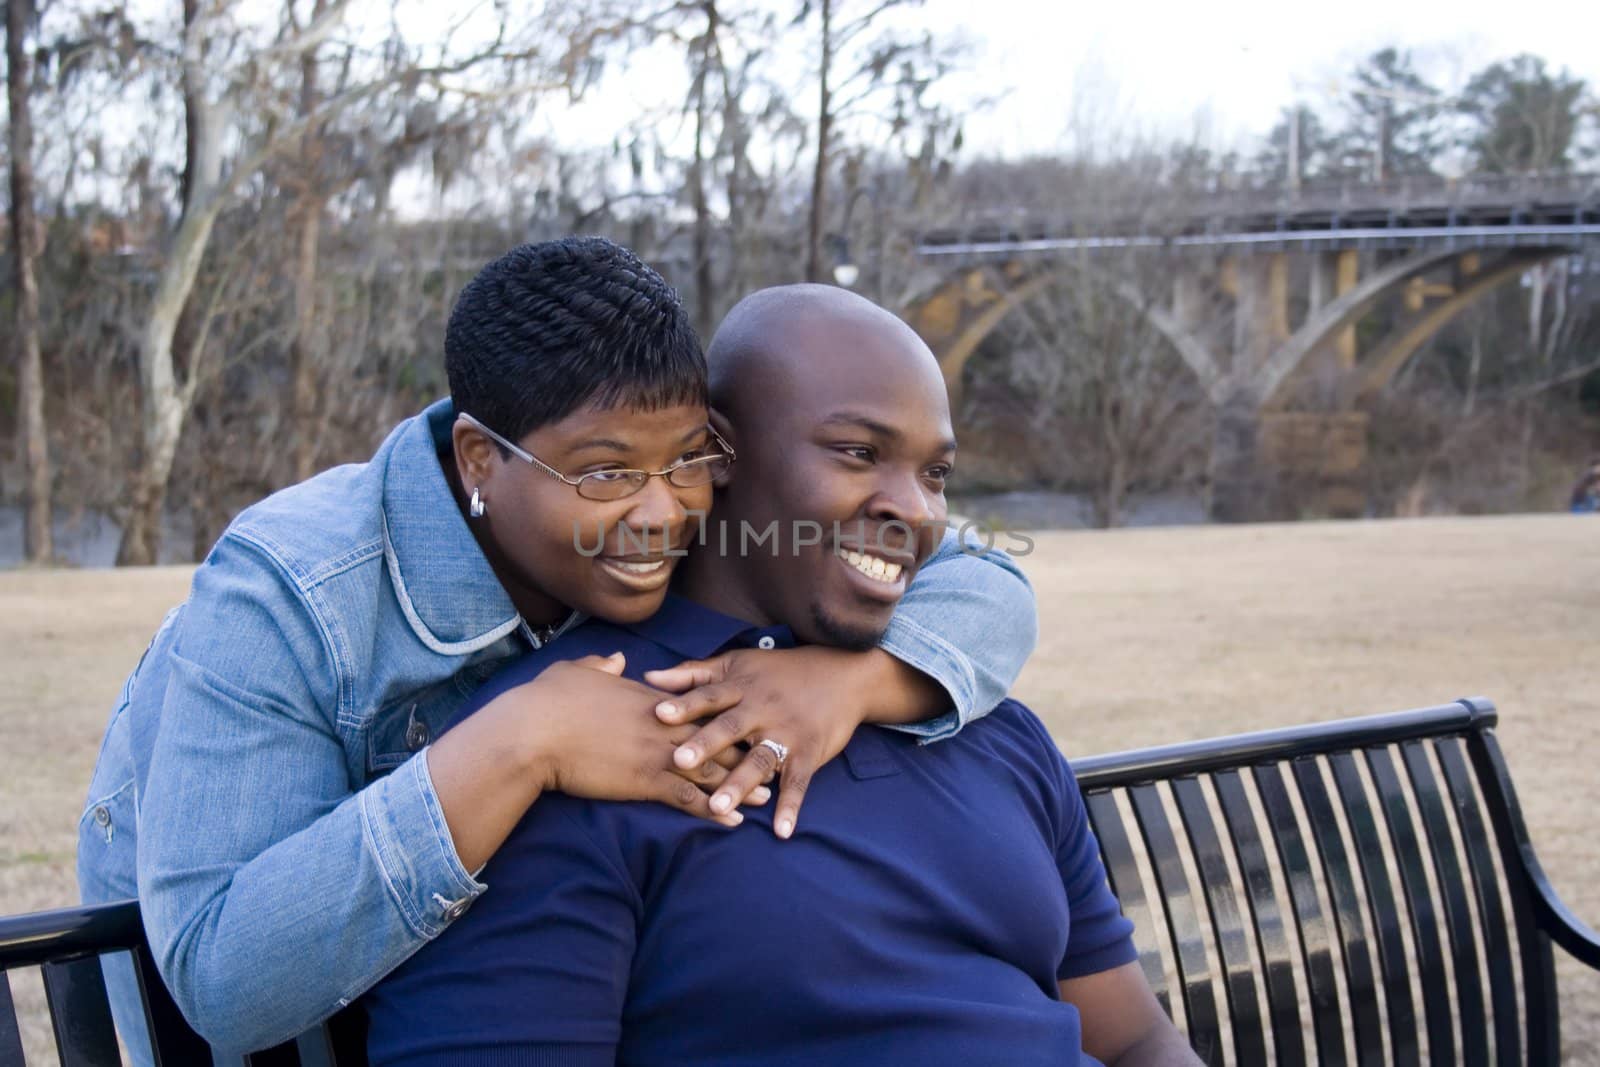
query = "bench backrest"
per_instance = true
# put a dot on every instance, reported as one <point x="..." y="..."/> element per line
<point x="1334" y="893"/>
<point x="1328" y="894"/>
<point x="66" y="946"/>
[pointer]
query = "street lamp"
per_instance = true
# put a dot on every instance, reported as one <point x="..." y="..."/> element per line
<point x="845" y="270"/>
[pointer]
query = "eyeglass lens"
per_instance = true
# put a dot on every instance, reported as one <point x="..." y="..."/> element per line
<point x="614" y="485"/>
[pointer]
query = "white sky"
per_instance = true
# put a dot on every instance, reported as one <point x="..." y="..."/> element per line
<point x="1178" y="66"/>
<point x="1239" y="61"/>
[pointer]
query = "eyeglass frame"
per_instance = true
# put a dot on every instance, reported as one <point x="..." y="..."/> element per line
<point x="666" y="472"/>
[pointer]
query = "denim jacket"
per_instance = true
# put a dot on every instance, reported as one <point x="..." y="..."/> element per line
<point x="270" y="751"/>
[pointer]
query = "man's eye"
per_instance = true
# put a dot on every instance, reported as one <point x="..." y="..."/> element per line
<point x="863" y="453"/>
<point x="615" y="474"/>
<point x="940" y="473"/>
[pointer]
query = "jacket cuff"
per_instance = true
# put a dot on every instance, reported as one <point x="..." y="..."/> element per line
<point x="944" y="663"/>
<point x="405" y="829"/>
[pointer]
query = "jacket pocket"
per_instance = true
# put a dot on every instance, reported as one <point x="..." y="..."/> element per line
<point x="402" y="727"/>
<point x="107" y="846"/>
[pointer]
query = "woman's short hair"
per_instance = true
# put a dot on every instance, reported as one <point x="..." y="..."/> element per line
<point x="552" y="327"/>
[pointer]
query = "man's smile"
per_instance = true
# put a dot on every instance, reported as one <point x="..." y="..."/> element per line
<point x="875" y="567"/>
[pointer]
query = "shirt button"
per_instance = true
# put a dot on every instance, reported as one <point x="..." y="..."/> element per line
<point x="767" y="642"/>
<point x="458" y="909"/>
<point x="102" y="816"/>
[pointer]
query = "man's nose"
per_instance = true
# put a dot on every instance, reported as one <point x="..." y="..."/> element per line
<point x="902" y="497"/>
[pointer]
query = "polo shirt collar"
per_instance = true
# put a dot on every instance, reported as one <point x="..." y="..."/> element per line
<point x="695" y="631"/>
<point x="447" y="591"/>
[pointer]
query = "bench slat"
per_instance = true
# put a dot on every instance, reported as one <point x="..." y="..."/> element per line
<point x="1458" y="917"/>
<point x="1491" y="915"/>
<point x="1227" y="924"/>
<point x="1360" y="983"/>
<point x="1419" y="902"/>
<point x="1316" y="939"/>
<point x="1183" y="922"/>
<point x="172" y="1040"/>
<point x="284" y="1055"/>
<point x="80" y="1012"/>
<point x="1265" y="913"/>
<point x="1538" y="961"/>
<point x="10" y="1033"/>
<point x="1402" y="1013"/>
<point x="1122" y="874"/>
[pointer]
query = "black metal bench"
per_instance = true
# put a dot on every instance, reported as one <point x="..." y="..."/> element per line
<point x="1331" y="894"/>
<point x="66" y="946"/>
<point x="1369" y="888"/>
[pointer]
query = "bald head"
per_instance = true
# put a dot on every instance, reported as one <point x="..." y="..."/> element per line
<point x="775" y="337"/>
<point x="841" y="421"/>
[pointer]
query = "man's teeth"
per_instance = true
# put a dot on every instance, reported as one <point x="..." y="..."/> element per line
<point x="872" y="566"/>
<point x="639" y="568"/>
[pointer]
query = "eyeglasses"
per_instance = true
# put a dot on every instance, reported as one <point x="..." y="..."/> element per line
<point x="616" y="484"/>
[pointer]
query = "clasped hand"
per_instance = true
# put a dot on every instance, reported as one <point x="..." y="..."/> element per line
<point x="810" y="700"/>
<point x="701" y="752"/>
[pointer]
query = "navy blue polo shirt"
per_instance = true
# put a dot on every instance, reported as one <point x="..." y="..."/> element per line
<point x="929" y="902"/>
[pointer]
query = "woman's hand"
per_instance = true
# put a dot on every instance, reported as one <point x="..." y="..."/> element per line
<point x="578" y="728"/>
<point x="809" y="699"/>
<point x="597" y="739"/>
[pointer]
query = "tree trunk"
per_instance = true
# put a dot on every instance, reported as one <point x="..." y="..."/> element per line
<point x="37" y="541"/>
<point x="302" y="360"/>
<point x="1110" y="493"/>
<point x="704" y="283"/>
<point x="819" y="176"/>
<point x="1474" y="369"/>
<point x="164" y="402"/>
<point x="1536" y="288"/>
<point x="733" y="127"/>
<point x="1114" y="481"/>
<point x="304" y="425"/>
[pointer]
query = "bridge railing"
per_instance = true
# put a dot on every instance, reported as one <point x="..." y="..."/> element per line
<point x="1485" y="190"/>
<point x="1564" y="204"/>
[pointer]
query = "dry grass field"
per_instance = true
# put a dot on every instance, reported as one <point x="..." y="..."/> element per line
<point x="1149" y="636"/>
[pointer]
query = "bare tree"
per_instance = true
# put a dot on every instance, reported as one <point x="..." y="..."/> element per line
<point x="885" y="79"/>
<point x="31" y="431"/>
<point x="246" y="96"/>
<point x="310" y="205"/>
<point x="1110" y="406"/>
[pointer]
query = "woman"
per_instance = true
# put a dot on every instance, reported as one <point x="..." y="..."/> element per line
<point x="298" y="833"/>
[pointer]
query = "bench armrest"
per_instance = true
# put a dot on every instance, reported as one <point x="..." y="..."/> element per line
<point x="1551" y="913"/>
<point x="1555" y="918"/>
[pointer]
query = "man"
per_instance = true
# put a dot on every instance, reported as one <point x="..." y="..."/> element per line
<point x="943" y="904"/>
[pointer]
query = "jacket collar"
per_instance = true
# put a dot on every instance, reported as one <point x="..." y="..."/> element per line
<point x="695" y="631"/>
<point x="447" y="591"/>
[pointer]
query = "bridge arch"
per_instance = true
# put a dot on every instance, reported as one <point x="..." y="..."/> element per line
<point x="1379" y="367"/>
<point x="957" y="314"/>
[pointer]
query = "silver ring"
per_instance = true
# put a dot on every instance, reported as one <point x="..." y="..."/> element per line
<point x="779" y="749"/>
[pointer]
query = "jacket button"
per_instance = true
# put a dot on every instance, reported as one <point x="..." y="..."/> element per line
<point x="767" y="642"/>
<point x="458" y="909"/>
<point x="102" y="816"/>
<point x="416" y="732"/>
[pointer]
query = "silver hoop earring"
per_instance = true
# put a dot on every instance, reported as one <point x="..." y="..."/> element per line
<point x="477" y="508"/>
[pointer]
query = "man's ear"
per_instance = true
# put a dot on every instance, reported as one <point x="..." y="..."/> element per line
<point x="474" y="454"/>
<point x="719" y="422"/>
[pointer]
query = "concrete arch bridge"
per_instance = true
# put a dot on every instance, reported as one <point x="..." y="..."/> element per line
<point x="1263" y="295"/>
